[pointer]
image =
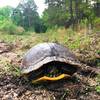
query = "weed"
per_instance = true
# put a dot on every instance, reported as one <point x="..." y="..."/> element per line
<point x="97" y="89"/>
<point x="64" y="94"/>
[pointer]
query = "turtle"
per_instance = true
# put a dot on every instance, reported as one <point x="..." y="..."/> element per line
<point x="49" y="62"/>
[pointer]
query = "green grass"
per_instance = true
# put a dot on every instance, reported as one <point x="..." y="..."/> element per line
<point x="67" y="37"/>
<point x="97" y="89"/>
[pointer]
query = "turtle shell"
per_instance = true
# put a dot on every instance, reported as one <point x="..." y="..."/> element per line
<point x="45" y="53"/>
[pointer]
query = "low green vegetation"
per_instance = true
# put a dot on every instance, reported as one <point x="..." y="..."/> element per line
<point x="97" y="89"/>
<point x="60" y="35"/>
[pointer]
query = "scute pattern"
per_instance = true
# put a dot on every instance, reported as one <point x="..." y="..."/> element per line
<point x="44" y="53"/>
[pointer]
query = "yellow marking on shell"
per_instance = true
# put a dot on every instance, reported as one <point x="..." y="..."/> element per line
<point x="45" y="78"/>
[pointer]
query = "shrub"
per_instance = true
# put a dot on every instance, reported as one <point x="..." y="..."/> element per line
<point x="19" y="30"/>
<point x="97" y="24"/>
<point x="9" y="27"/>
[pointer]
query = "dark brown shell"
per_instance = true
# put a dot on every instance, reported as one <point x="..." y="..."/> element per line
<point x="44" y="53"/>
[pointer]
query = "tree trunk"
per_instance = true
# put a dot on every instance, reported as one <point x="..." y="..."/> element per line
<point x="76" y="14"/>
<point x="70" y="9"/>
<point x="71" y="12"/>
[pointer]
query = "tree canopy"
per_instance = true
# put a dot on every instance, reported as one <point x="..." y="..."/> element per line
<point x="61" y="13"/>
<point x="70" y="12"/>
